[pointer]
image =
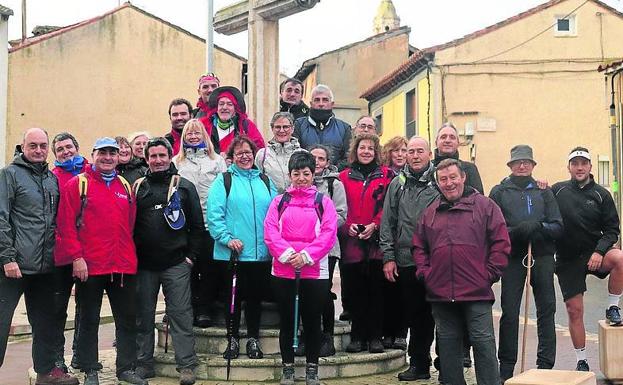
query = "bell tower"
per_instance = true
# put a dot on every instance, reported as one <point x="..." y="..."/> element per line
<point x="386" y="17"/>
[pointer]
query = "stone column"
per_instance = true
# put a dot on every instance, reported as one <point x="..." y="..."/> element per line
<point x="263" y="70"/>
<point x="4" y="76"/>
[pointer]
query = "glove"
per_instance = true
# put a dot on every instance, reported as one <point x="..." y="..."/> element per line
<point x="526" y="230"/>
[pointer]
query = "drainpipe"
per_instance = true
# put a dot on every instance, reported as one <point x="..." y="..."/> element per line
<point x="614" y="135"/>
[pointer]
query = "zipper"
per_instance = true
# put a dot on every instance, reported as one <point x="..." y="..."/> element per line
<point x="452" y="272"/>
<point x="529" y="202"/>
<point x="254" y="217"/>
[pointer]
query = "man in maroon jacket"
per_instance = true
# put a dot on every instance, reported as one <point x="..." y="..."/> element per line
<point x="461" y="248"/>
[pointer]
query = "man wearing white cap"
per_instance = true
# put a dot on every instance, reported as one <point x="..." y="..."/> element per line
<point x="587" y="246"/>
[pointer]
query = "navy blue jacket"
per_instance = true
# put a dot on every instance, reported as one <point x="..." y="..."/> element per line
<point x="335" y="135"/>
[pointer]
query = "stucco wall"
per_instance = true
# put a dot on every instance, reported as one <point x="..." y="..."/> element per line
<point x="111" y="77"/>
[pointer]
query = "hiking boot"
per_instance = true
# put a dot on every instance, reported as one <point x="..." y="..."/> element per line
<point x="412" y="374"/>
<point x="187" y="376"/>
<point x="376" y="346"/>
<point x="388" y="342"/>
<point x="233" y="349"/>
<point x="130" y="377"/>
<point x="613" y="315"/>
<point x="582" y="366"/>
<point x="202" y="321"/>
<point x="311" y="374"/>
<point x="326" y="347"/>
<point x="91" y="378"/>
<point x="400" y="343"/>
<point x="56" y="377"/>
<point x="345" y="316"/>
<point x="300" y="350"/>
<point x="74" y="362"/>
<point x="355" y="346"/>
<point x="253" y="349"/>
<point x="145" y="372"/>
<point x="287" y="375"/>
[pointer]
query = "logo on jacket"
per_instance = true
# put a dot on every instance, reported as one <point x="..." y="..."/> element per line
<point x="120" y="195"/>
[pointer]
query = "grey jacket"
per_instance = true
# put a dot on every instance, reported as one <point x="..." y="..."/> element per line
<point x="406" y="199"/>
<point x="330" y="175"/>
<point x="28" y="203"/>
<point x="273" y="161"/>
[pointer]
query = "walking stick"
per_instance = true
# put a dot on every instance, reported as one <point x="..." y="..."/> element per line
<point x="528" y="262"/>
<point x="166" y="334"/>
<point x="233" y="259"/>
<point x="297" y="282"/>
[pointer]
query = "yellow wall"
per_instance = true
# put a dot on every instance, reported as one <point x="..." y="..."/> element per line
<point x="394" y="118"/>
<point x="422" y="110"/>
<point x="111" y="77"/>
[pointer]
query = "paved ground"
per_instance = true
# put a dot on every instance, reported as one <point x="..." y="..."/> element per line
<point x="17" y="362"/>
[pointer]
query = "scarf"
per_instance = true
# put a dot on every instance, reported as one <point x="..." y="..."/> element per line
<point x="320" y="116"/>
<point x="521" y="181"/>
<point x="108" y="177"/>
<point x="197" y="146"/>
<point x="365" y="169"/>
<point x="73" y="165"/>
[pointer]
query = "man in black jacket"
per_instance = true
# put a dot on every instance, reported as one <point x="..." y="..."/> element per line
<point x="291" y="98"/>
<point x="532" y="217"/>
<point x="447" y="143"/>
<point x="587" y="247"/>
<point x="168" y="233"/>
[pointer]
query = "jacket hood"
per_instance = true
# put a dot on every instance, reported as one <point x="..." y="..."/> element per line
<point x="303" y="192"/>
<point x="426" y="177"/>
<point x="251" y="173"/>
<point x="37" y="168"/>
<point x="287" y="147"/>
<point x="439" y="157"/>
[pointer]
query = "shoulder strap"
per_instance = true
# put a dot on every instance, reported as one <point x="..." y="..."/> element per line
<point x="266" y="181"/>
<point x="283" y="203"/>
<point x="126" y="186"/>
<point x="175" y="181"/>
<point x="318" y="205"/>
<point x="264" y="159"/>
<point x="137" y="184"/>
<point x="227" y="182"/>
<point x="245" y="126"/>
<point x="82" y="185"/>
<point x="330" y="187"/>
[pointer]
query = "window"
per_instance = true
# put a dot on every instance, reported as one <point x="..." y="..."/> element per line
<point x="411" y="113"/>
<point x="565" y="25"/>
<point x="378" y="118"/>
<point x="604" y="172"/>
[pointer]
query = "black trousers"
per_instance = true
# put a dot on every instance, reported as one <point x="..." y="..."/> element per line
<point x="39" y="298"/>
<point x="419" y="317"/>
<point x="328" y="312"/>
<point x="365" y="280"/>
<point x="312" y="295"/>
<point x="64" y="282"/>
<point x="395" y="322"/>
<point x="121" y="291"/>
<point x="206" y="282"/>
<point x="253" y="280"/>
<point x="513" y="283"/>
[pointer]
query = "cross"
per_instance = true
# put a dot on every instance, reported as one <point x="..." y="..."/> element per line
<point x="261" y="18"/>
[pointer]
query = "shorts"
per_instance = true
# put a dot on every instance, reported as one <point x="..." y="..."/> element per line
<point x="572" y="272"/>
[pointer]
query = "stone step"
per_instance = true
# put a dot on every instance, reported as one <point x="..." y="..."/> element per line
<point x="214" y="367"/>
<point x="213" y="340"/>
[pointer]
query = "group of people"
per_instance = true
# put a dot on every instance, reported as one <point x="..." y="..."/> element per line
<point x="417" y="243"/>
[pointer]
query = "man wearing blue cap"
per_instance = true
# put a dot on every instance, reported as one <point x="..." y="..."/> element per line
<point x="95" y="225"/>
<point x="168" y="236"/>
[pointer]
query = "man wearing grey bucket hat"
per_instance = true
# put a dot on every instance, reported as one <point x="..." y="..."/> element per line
<point x="532" y="217"/>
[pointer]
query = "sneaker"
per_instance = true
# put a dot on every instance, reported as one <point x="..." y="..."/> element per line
<point x="400" y="343"/>
<point x="287" y="375"/>
<point x="388" y="342"/>
<point x="300" y="350"/>
<point x="187" y="376"/>
<point x="376" y="346"/>
<point x="253" y="349"/>
<point x="145" y="372"/>
<point x="233" y="349"/>
<point x="582" y="366"/>
<point x="130" y="377"/>
<point x="202" y="321"/>
<point x="327" y="348"/>
<point x="412" y="374"/>
<point x="91" y="378"/>
<point x="311" y="374"/>
<point x="56" y="377"/>
<point x="613" y="315"/>
<point x="355" y="346"/>
<point x="345" y="316"/>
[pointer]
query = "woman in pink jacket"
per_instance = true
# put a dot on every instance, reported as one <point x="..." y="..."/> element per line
<point x="300" y="230"/>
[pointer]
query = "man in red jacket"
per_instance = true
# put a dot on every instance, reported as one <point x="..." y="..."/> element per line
<point x="94" y="234"/>
<point x="461" y="248"/>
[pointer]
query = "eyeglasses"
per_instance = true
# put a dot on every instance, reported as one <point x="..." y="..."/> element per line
<point x="285" y="127"/>
<point x="369" y="127"/>
<point x="243" y="154"/>
<point x="522" y="162"/>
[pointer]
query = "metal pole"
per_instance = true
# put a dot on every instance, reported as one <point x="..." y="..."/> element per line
<point x="615" y="147"/>
<point x="210" y="38"/>
<point x="24" y="21"/>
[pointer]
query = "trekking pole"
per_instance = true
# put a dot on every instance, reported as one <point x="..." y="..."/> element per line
<point x="166" y="334"/>
<point x="528" y="262"/>
<point x="297" y="282"/>
<point x="233" y="259"/>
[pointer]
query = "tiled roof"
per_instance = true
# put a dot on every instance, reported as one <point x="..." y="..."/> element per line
<point x="4" y="11"/>
<point x="17" y="45"/>
<point x="380" y="88"/>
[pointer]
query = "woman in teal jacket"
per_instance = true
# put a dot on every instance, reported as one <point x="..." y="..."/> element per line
<point x="237" y="205"/>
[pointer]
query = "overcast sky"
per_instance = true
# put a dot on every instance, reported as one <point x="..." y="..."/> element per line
<point x="329" y="25"/>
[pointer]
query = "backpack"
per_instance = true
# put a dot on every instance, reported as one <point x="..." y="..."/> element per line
<point x="227" y="181"/>
<point x="83" y="184"/>
<point x="173" y="184"/>
<point x="285" y="200"/>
